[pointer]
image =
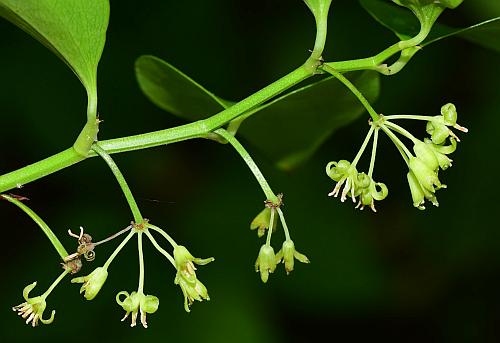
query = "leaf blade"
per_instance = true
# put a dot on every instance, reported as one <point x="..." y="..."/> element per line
<point x="74" y="30"/>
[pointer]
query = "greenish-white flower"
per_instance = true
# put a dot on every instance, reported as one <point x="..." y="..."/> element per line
<point x="32" y="309"/>
<point x="288" y="254"/>
<point x="191" y="287"/>
<point x="92" y="283"/>
<point x="369" y="191"/>
<point x="137" y="302"/>
<point x="261" y="222"/>
<point x="266" y="262"/>
<point x="345" y="174"/>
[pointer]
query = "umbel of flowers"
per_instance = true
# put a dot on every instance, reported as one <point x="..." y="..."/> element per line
<point x="429" y="157"/>
<point x="267" y="259"/>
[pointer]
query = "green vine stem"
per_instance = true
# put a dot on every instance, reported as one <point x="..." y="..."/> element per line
<point x="251" y="164"/>
<point x="39" y="221"/>
<point x="122" y="182"/>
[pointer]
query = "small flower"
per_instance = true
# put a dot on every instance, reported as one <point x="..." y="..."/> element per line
<point x="32" y="309"/>
<point x="440" y="151"/>
<point x="427" y="177"/>
<point x="369" y="191"/>
<point x="418" y="193"/>
<point x="343" y="173"/>
<point x="288" y="254"/>
<point x="438" y="127"/>
<point x="136" y="302"/>
<point x="92" y="283"/>
<point x="261" y="222"/>
<point x="191" y="287"/>
<point x="266" y="262"/>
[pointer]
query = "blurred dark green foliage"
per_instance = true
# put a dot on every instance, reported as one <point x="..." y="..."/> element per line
<point x="396" y="276"/>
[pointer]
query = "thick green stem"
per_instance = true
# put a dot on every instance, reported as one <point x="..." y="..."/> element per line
<point x="251" y="164"/>
<point x="39" y="221"/>
<point x="121" y="181"/>
<point x="52" y="164"/>
<point x="353" y="89"/>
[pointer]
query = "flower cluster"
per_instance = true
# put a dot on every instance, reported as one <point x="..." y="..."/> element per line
<point x="267" y="259"/>
<point x="429" y="156"/>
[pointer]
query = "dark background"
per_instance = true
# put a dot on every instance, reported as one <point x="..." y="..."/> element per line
<point x="396" y="276"/>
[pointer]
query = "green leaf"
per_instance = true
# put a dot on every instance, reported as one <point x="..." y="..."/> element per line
<point x="291" y="128"/>
<point x="297" y="123"/>
<point x="319" y="8"/>
<point x="174" y="91"/>
<point x="405" y="25"/>
<point x="75" y="30"/>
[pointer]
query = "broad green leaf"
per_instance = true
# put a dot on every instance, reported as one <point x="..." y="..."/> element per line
<point x="75" y="30"/>
<point x="291" y="128"/>
<point x="300" y="120"/>
<point x="175" y="92"/>
<point x="405" y="25"/>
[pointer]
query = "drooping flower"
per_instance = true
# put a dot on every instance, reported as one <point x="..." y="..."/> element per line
<point x="266" y="262"/>
<point x="92" y="283"/>
<point x="191" y="287"/>
<point x="261" y="222"/>
<point x="288" y="254"/>
<point x="138" y="302"/>
<point x="32" y="309"/>
<point x="369" y="191"/>
<point x="344" y="174"/>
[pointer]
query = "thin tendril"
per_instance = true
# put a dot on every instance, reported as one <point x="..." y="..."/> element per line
<point x="270" y="230"/>
<point x="55" y="283"/>
<point x="141" y="263"/>
<point x="374" y="153"/>
<point x="363" y="147"/>
<point x="405" y="153"/>
<point x="283" y="222"/>
<point x="163" y="233"/>
<point x="114" y="236"/>
<point x="160" y="249"/>
<point x="117" y="250"/>
<point x="402" y="131"/>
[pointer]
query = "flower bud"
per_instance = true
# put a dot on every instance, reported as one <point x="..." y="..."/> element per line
<point x="438" y="131"/>
<point x="449" y="113"/>
<point x="417" y="194"/>
<point x="426" y="154"/>
<point x="426" y="177"/>
<point x="92" y="283"/>
<point x="266" y="262"/>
